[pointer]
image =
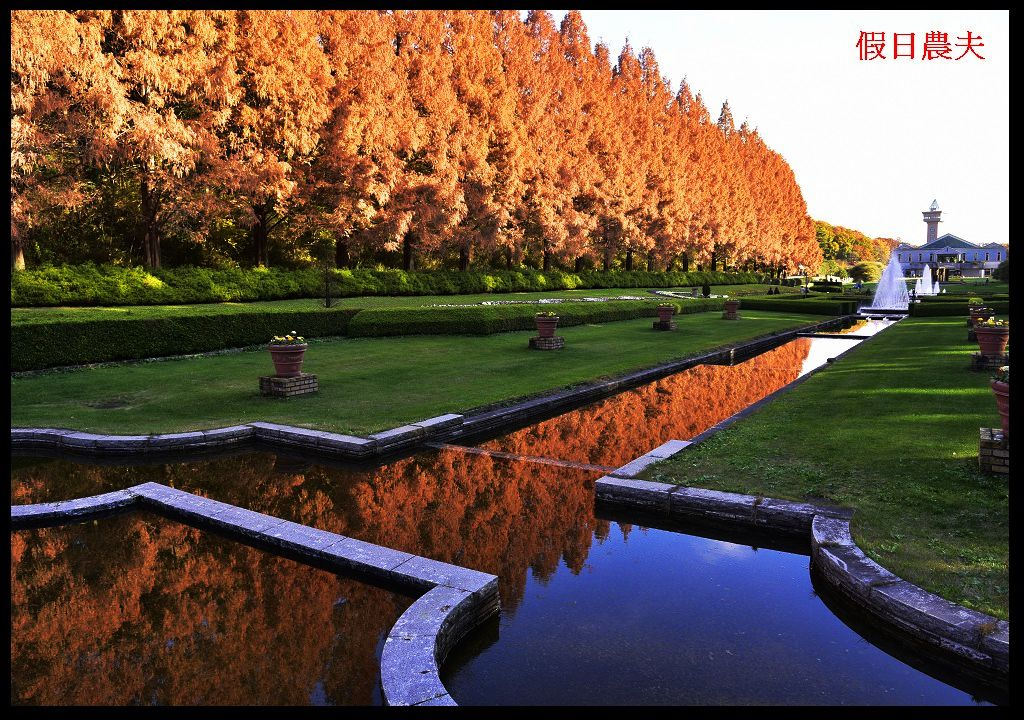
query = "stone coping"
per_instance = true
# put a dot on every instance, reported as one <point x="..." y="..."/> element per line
<point x="456" y="599"/>
<point x="968" y="637"/>
<point x="353" y="447"/>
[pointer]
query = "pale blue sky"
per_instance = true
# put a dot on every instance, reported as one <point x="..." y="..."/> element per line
<point x="871" y="143"/>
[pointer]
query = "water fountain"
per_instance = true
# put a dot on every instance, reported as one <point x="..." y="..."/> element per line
<point x="927" y="287"/>
<point x="891" y="294"/>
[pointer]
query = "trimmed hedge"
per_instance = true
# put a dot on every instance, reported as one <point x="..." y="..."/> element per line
<point x="488" y="319"/>
<point x="112" y="285"/>
<point x="54" y="344"/>
<point x="1001" y="307"/>
<point x="942" y="298"/>
<point x="36" y="346"/>
<point x="818" y="305"/>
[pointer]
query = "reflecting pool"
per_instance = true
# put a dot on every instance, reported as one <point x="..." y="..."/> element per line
<point x="595" y="609"/>
<point x="140" y="610"/>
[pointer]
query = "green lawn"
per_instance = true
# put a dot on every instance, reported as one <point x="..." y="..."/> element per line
<point x="890" y="430"/>
<point x="366" y="384"/>
<point x="22" y="316"/>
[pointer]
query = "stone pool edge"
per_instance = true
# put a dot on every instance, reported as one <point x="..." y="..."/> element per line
<point x="456" y="600"/>
<point x="403" y="437"/>
<point x="976" y="639"/>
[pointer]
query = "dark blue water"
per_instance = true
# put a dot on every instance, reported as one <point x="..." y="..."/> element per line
<point x="657" y="617"/>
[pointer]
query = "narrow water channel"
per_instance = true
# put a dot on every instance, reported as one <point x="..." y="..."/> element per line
<point x="594" y="609"/>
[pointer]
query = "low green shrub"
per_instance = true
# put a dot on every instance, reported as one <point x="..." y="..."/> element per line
<point x="934" y="309"/>
<point x="815" y="305"/>
<point x="488" y="319"/>
<point x="113" y="285"/>
<point x="53" y="344"/>
<point x="942" y="298"/>
<point x="1002" y="273"/>
<point x="867" y="271"/>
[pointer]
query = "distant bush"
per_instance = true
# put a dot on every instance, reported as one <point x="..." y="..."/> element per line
<point x="867" y="271"/>
<point x="113" y="285"/>
<point x="1002" y="273"/>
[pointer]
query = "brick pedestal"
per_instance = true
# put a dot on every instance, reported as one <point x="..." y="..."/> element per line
<point x="670" y="325"/>
<point x="551" y="343"/>
<point x="994" y="452"/>
<point x="988" y="362"/>
<point x="730" y="316"/>
<point x="273" y="386"/>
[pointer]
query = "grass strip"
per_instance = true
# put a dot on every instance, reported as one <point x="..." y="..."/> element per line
<point x="366" y="384"/>
<point x="890" y="430"/>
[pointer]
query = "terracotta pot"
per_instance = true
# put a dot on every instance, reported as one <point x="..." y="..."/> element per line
<point x="665" y="314"/>
<point x="546" y="326"/>
<point x="1002" y="393"/>
<point x="287" y="359"/>
<point x="732" y="305"/>
<point x="992" y="340"/>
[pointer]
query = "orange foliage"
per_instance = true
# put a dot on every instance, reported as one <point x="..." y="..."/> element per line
<point x="140" y="610"/>
<point x="442" y="132"/>
<point x="614" y="431"/>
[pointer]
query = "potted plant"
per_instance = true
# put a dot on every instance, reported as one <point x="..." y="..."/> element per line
<point x="1001" y="389"/>
<point x="665" y="312"/>
<point x="287" y="352"/>
<point x="546" y="323"/>
<point x="992" y="336"/>
<point x="980" y="313"/>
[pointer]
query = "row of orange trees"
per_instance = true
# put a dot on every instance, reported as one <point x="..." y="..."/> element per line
<point x="487" y="136"/>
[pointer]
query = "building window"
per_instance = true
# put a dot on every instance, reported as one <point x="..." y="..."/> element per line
<point x="998" y="256"/>
<point x="986" y="257"/>
<point x="920" y="257"/>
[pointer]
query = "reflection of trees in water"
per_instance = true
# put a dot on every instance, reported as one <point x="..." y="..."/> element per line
<point x="495" y="515"/>
<point x="614" y="431"/>
<point x="137" y="609"/>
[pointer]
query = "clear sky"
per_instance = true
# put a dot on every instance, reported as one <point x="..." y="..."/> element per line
<point x="871" y="142"/>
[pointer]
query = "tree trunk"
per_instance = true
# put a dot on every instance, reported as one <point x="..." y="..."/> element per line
<point x="686" y="262"/>
<point x="408" y="261"/>
<point x="259" y="239"/>
<point x="508" y="258"/>
<point x="547" y="260"/>
<point x="650" y="262"/>
<point x="151" y="239"/>
<point x="579" y="264"/>
<point x="464" y="257"/>
<point x="17" y="253"/>
<point x="714" y="263"/>
<point x="341" y="258"/>
<point x="629" y="258"/>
